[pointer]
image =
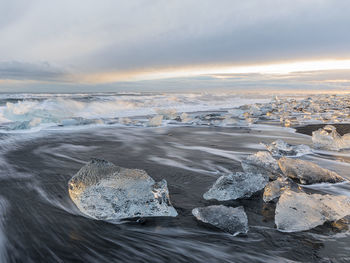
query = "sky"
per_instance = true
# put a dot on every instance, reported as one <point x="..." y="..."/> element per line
<point x="150" y="45"/>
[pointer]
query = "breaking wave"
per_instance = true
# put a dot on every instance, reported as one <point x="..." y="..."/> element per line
<point x="23" y="112"/>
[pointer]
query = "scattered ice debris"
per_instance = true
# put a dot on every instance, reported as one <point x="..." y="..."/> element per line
<point x="280" y="148"/>
<point x="261" y="163"/>
<point x="291" y="112"/>
<point x="274" y="189"/>
<point x="300" y="211"/>
<point x="155" y="121"/>
<point x="306" y="172"/>
<point x="285" y="111"/>
<point x="104" y="191"/>
<point x="229" y="219"/>
<point x="328" y="138"/>
<point x="234" y="186"/>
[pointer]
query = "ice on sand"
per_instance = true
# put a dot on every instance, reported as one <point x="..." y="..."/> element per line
<point x="261" y="163"/>
<point x="306" y="172"/>
<point x="300" y="211"/>
<point x="234" y="186"/>
<point x="155" y="121"/>
<point x="105" y="191"/>
<point x="328" y="138"/>
<point x="229" y="219"/>
<point x="274" y="189"/>
<point x="280" y="148"/>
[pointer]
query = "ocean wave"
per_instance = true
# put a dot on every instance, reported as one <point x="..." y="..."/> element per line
<point x="38" y="111"/>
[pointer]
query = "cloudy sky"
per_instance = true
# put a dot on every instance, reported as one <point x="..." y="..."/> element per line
<point x="106" y="45"/>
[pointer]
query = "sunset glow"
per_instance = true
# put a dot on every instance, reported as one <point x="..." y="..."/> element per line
<point x="193" y="71"/>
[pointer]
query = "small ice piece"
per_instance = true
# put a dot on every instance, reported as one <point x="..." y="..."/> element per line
<point x="234" y="186"/>
<point x="229" y="219"/>
<point x="280" y="148"/>
<point x="306" y="172"/>
<point x="168" y="114"/>
<point x="104" y="191"/>
<point x="125" y="121"/>
<point x="185" y="118"/>
<point x="251" y="120"/>
<point x="300" y="211"/>
<point x="228" y="120"/>
<point x="261" y="163"/>
<point x="328" y="138"/>
<point x="255" y="111"/>
<point x="70" y="122"/>
<point x="155" y="121"/>
<point x="23" y="125"/>
<point x="237" y="113"/>
<point x="34" y="122"/>
<point x="275" y="188"/>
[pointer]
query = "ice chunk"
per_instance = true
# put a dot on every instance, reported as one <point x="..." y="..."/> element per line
<point x="229" y="219"/>
<point x="234" y="186"/>
<point x="306" y="172"/>
<point x="255" y="110"/>
<point x="155" y="121"/>
<point x="69" y="122"/>
<point x="35" y="122"/>
<point x="275" y="188"/>
<point x="237" y="113"/>
<point x="125" y="121"/>
<point x="261" y="163"/>
<point x="185" y="118"/>
<point x="280" y="148"/>
<point x="167" y="113"/>
<point x="328" y="138"/>
<point x="23" y="125"/>
<point x="104" y="191"/>
<point x="300" y="211"/>
<point x="228" y="120"/>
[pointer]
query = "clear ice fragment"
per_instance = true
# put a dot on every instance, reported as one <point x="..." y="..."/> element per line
<point x="229" y="219"/>
<point x="280" y="148"/>
<point x="300" y="211"/>
<point x="306" y="172"/>
<point x="155" y="121"/>
<point x="234" y="186"/>
<point x="104" y="191"/>
<point x="261" y="163"/>
<point x="274" y="189"/>
<point x="328" y="138"/>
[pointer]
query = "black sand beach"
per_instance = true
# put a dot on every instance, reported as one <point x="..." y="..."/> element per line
<point x="44" y="225"/>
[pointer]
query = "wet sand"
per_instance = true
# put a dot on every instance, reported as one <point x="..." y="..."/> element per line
<point x="40" y="222"/>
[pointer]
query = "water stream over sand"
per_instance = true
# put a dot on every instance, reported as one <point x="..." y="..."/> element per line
<point x="39" y="222"/>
